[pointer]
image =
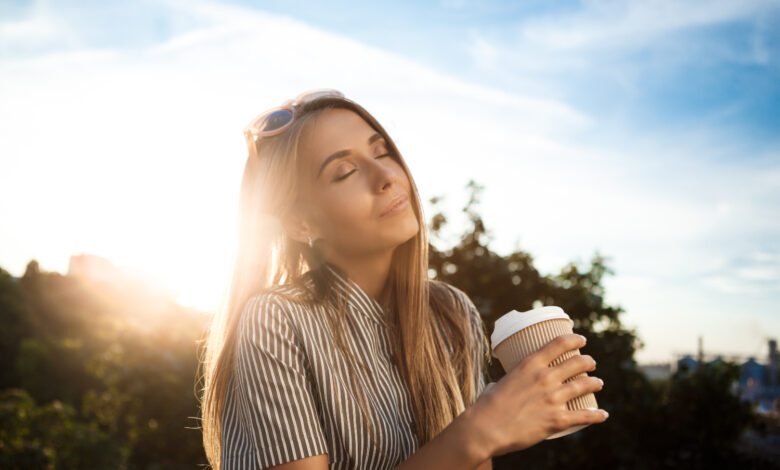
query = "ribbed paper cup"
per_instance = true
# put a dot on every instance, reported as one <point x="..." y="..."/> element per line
<point x="519" y="334"/>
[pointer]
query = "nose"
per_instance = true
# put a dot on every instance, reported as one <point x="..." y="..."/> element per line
<point x="384" y="175"/>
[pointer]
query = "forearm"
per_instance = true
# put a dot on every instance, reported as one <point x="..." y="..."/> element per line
<point x="455" y="448"/>
<point x="486" y="465"/>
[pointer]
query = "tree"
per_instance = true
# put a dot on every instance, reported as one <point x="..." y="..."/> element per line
<point x="636" y="434"/>
<point x="50" y="436"/>
<point x="86" y="385"/>
<point x="90" y="387"/>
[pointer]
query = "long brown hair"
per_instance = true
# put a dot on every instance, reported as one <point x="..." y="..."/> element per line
<point x="437" y="368"/>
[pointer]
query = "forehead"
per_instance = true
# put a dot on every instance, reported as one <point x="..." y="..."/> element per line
<point x="333" y="130"/>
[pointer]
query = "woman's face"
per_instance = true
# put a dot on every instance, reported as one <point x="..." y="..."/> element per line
<point x="350" y="179"/>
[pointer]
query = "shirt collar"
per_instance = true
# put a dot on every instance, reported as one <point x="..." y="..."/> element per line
<point x="359" y="300"/>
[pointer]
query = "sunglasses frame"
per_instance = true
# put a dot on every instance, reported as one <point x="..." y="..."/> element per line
<point x="252" y="129"/>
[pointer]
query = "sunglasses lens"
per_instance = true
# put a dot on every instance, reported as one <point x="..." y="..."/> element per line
<point x="274" y="120"/>
<point x="278" y="119"/>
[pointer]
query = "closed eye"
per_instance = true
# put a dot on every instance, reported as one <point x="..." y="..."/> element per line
<point x="342" y="178"/>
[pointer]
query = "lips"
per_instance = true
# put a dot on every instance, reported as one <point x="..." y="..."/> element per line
<point x="396" y="201"/>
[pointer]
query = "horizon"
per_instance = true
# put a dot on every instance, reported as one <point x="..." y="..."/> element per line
<point x="137" y="277"/>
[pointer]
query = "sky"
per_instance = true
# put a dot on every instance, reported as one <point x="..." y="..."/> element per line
<point x="644" y="130"/>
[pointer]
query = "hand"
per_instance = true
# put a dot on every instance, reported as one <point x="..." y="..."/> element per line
<point x="528" y="404"/>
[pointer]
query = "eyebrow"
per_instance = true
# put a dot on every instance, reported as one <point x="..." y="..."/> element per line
<point x="344" y="153"/>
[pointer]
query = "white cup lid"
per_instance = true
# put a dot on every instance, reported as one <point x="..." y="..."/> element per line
<point x="514" y="321"/>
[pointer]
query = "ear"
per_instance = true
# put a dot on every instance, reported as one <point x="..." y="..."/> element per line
<point x="298" y="227"/>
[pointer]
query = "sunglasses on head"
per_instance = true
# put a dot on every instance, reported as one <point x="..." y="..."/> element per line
<point x="277" y="120"/>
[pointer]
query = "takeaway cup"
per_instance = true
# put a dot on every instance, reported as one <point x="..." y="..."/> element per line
<point x="519" y="334"/>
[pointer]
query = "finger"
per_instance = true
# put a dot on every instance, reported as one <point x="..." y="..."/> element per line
<point x="574" y="366"/>
<point x="578" y="387"/>
<point x="586" y="416"/>
<point x="559" y="345"/>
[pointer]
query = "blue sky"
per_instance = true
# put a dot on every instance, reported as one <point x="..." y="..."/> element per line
<point x="647" y="130"/>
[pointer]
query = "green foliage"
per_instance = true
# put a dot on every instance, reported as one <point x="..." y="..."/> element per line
<point x="102" y="377"/>
<point x="685" y="422"/>
<point x="50" y="436"/>
<point x="13" y="317"/>
<point x="115" y="393"/>
<point x="697" y="420"/>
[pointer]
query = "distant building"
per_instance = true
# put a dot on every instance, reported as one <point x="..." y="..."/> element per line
<point x="687" y="362"/>
<point x="750" y="380"/>
<point x="758" y="383"/>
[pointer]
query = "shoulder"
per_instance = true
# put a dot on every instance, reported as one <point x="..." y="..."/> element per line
<point x="277" y="305"/>
<point x="280" y="296"/>
<point x="260" y="302"/>
<point x="270" y="325"/>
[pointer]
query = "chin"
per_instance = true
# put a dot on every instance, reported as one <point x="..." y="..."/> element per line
<point x="410" y="229"/>
<point x="401" y="230"/>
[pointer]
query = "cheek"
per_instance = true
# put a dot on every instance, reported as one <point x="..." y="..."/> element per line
<point x="348" y="214"/>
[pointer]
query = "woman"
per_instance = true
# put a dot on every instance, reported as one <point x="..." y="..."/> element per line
<point x="333" y="348"/>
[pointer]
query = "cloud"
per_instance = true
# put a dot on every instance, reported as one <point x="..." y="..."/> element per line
<point x="619" y="48"/>
<point x="39" y="31"/>
<point x="155" y="131"/>
<point x="32" y="29"/>
<point x="760" y="273"/>
<point x="755" y="273"/>
<point x="130" y="123"/>
<point x="631" y="24"/>
<point x="483" y="53"/>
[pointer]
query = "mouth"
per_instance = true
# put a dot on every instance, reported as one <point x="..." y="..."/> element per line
<point x="396" y="205"/>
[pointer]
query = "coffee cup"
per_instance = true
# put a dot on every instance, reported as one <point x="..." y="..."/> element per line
<point x="517" y="335"/>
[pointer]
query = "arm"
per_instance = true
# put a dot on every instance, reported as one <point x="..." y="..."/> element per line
<point x="486" y="465"/>
<point x="453" y="449"/>
<point x="526" y="406"/>
<point x="317" y="462"/>
<point x="432" y="455"/>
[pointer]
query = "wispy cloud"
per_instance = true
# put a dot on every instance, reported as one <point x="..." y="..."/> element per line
<point x="147" y="113"/>
<point x="623" y="54"/>
<point x="32" y="29"/>
<point x="631" y="25"/>
<point x="143" y="126"/>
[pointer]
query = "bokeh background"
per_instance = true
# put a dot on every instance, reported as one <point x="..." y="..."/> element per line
<point x="620" y="159"/>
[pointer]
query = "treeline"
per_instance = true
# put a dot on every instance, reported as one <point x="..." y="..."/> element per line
<point x="103" y="377"/>
<point x="690" y="421"/>
<point x="95" y="376"/>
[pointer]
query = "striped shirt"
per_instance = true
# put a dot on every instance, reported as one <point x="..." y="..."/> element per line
<point x="289" y="396"/>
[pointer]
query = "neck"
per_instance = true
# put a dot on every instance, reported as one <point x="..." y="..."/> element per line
<point x="369" y="272"/>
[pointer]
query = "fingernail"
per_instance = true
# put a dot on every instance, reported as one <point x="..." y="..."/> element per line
<point x="604" y="412"/>
<point x="586" y="339"/>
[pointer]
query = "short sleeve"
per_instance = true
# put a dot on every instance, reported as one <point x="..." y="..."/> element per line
<point x="275" y="398"/>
